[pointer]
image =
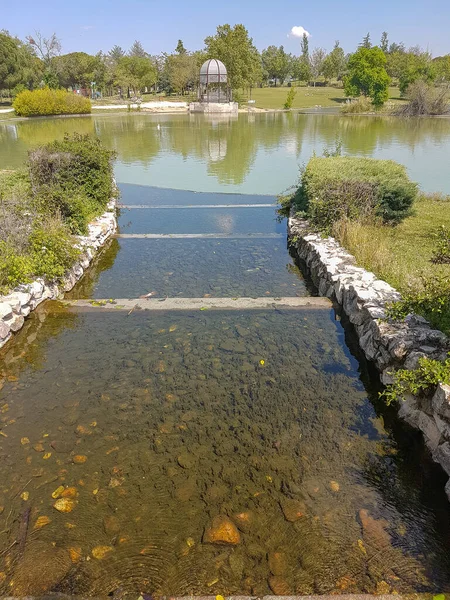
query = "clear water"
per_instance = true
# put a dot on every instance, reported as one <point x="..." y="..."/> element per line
<point x="154" y="424"/>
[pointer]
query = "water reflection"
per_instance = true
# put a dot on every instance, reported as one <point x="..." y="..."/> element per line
<point x="257" y="153"/>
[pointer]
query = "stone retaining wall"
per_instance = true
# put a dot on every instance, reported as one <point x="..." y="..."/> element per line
<point x="389" y="345"/>
<point x="17" y="305"/>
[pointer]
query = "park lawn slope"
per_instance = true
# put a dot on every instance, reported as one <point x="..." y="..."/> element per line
<point x="402" y="255"/>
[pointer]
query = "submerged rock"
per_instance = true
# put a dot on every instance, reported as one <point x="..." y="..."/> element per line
<point x="374" y="530"/>
<point x="279" y="586"/>
<point x="277" y="563"/>
<point x="244" y="520"/>
<point x="41" y="569"/>
<point x="65" y="505"/>
<point x="293" y="510"/>
<point x="222" y="530"/>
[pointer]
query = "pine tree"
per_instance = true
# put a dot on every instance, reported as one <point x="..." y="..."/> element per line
<point x="180" y="49"/>
<point x="384" y="43"/>
<point x="366" y="43"/>
<point x="137" y="50"/>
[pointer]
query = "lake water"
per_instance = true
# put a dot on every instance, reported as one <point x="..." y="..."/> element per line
<point x="132" y="442"/>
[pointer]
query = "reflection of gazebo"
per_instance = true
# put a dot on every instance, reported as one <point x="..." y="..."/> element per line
<point x="214" y="82"/>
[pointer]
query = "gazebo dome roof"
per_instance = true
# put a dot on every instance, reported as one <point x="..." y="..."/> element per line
<point x="213" y="71"/>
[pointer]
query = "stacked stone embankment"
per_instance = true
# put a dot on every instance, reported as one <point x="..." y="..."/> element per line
<point x="389" y="345"/>
<point x="17" y="305"/>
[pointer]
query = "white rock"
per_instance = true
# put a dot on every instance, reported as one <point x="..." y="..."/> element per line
<point x="5" y="310"/>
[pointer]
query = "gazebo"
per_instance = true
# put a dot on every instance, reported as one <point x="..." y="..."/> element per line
<point x="213" y="85"/>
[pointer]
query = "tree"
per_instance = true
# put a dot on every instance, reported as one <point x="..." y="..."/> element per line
<point x="182" y="71"/>
<point x="116" y="53"/>
<point x="335" y="63"/>
<point x="418" y="67"/>
<point x="180" y="49"/>
<point x="441" y="65"/>
<point x="304" y="66"/>
<point x="135" y="73"/>
<point x="367" y="75"/>
<point x="366" y="43"/>
<point x="137" y="50"/>
<point x="275" y="63"/>
<point x="46" y="49"/>
<point x="384" y="43"/>
<point x="18" y="65"/>
<point x="234" y="47"/>
<point x="76" y="68"/>
<point x="317" y="59"/>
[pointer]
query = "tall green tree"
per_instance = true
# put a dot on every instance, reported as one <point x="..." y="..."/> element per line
<point x="116" y="53"/>
<point x="304" y="65"/>
<point x="317" y="60"/>
<point x="367" y="75"/>
<point x="18" y="65"/>
<point x="76" y="69"/>
<point x="180" y="49"/>
<point x="234" y="47"/>
<point x="366" y="43"/>
<point x="335" y="63"/>
<point x="417" y="65"/>
<point x="137" y="50"/>
<point x="441" y="65"/>
<point x="182" y="72"/>
<point x="275" y="63"/>
<point x="135" y="73"/>
<point x="384" y="42"/>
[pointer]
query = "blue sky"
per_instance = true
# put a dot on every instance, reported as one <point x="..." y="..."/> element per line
<point x="99" y="24"/>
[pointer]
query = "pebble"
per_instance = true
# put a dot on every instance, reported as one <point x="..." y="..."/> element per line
<point x="185" y="460"/>
<point x="65" y="505"/>
<point x="334" y="486"/>
<point x="222" y="530"/>
<point x="41" y="521"/>
<point x="39" y="447"/>
<point x="75" y="554"/>
<point x="57" y="493"/>
<point x="101" y="552"/>
<point x="79" y="459"/>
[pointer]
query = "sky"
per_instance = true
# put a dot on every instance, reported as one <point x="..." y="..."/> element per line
<point x="93" y="25"/>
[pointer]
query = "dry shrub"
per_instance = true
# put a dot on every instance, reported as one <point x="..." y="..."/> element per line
<point x="368" y="243"/>
<point x="425" y="100"/>
<point x="361" y="105"/>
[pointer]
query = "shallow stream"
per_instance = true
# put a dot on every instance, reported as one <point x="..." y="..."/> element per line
<point x="207" y="451"/>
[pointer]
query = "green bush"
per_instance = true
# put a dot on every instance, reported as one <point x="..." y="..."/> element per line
<point x="441" y="254"/>
<point x="353" y="188"/>
<point x="52" y="250"/>
<point x="290" y="99"/>
<point x="430" y="298"/>
<point x="50" y="102"/>
<point x="73" y="177"/>
<point x="420" y="381"/>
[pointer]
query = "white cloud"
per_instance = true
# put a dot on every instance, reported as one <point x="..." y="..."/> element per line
<point x="298" y="31"/>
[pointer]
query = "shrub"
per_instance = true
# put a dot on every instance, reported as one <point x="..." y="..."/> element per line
<point x="73" y="177"/>
<point x="430" y="297"/>
<point x="290" y="98"/>
<point x="361" y="105"/>
<point x="425" y="99"/>
<point x="50" y="102"/>
<point x="14" y="268"/>
<point x="441" y="254"/>
<point x="342" y="187"/>
<point x="420" y="381"/>
<point x="52" y="250"/>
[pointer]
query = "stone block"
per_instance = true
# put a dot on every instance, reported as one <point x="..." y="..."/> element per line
<point x="5" y="310"/>
<point x="442" y="456"/>
<point x="430" y="431"/>
<point x="16" y="323"/>
<point x="4" y="330"/>
<point x="441" y="401"/>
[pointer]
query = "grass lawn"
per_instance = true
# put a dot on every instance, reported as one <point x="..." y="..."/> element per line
<point x="306" y="97"/>
<point x="401" y="255"/>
